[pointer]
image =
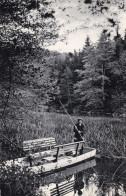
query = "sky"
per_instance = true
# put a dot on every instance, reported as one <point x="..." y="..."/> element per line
<point x="78" y="21"/>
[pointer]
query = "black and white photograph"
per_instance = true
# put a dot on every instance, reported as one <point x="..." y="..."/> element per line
<point x="62" y="97"/>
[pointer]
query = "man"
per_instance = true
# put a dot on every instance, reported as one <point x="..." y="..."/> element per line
<point x="79" y="131"/>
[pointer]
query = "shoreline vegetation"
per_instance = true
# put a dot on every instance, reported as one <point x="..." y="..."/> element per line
<point x="106" y="134"/>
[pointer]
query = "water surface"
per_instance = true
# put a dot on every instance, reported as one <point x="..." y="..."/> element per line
<point x="96" y="177"/>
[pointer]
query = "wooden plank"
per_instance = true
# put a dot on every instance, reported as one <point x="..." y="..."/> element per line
<point x="37" y="157"/>
<point x="39" y="144"/>
<point x="70" y="144"/>
<point x="41" y="139"/>
<point x="77" y="149"/>
<point x="37" y="149"/>
<point x="64" y="162"/>
<point x="34" y="142"/>
<point x="46" y="155"/>
<point x="49" y="158"/>
<point x="42" y="142"/>
<point x="57" y="154"/>
<point x="65" y="149"/>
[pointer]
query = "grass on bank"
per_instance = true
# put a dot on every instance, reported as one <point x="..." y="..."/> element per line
<point x="107" y="135"/>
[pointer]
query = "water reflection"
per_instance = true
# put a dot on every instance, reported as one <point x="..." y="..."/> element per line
<point x="79" y="183"/>
<point x="92" y="178"/>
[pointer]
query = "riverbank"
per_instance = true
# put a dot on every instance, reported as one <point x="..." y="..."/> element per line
<point x="107" y="135"/>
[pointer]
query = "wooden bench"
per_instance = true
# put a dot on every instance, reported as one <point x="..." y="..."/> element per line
<point x="38" y="145"/>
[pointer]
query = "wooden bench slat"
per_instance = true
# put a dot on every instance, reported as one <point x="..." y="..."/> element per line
<point x="42" y="145"/>
<point x="38" y="147"/>
<point x="35" y="141"/>
<point x="39" y="144"/>
<point x="40" y="139"/>
<point x="42" y="142"/>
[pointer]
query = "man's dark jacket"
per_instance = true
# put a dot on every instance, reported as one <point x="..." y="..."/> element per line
<point x="77" y="136"/>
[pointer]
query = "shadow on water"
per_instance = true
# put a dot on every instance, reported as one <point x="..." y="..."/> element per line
<point x="100" y="177"/>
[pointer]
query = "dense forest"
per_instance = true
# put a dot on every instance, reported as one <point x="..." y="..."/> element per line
<point x="89" y="82"/>
<point x="93" y="80"/>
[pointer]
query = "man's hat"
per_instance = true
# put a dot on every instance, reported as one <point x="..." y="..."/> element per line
<point x="80" y="119"/>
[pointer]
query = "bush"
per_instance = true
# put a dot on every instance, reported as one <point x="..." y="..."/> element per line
<point x="17" y="181"/>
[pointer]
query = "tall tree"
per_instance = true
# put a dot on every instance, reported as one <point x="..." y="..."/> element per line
<point x="91" y="88"/>
<point x="117" y="70"/>
<point x="87" y="90"/>
<point x="25" y="26"/>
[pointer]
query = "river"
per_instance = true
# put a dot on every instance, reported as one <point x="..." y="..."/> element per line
<point x="96" y="177"/>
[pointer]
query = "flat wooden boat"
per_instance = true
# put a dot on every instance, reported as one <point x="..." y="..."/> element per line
<point x="64" y="161"/>
<point x="57" y="158"/>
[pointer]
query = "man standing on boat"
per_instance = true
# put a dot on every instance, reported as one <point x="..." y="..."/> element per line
<point x="79" y="130"/>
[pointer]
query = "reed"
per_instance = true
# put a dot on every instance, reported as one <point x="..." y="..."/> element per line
<point x="105" y="134"/>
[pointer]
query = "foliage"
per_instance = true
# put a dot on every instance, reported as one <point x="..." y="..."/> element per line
<point x="91" y="87"/>
<point x="25" y="24"/>
<point x="96" y="85"/>
<point x="33" y="80"/>
<point x="92" y="80"/>
<point x="25" y="27"/>
<point x="107" y="135"/>
<point x="17" y="181"/>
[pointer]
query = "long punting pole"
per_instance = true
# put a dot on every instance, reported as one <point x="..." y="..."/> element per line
<point x="71" y="119"/>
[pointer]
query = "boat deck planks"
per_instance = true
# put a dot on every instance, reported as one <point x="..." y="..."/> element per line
<point x="58" y="157"/>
